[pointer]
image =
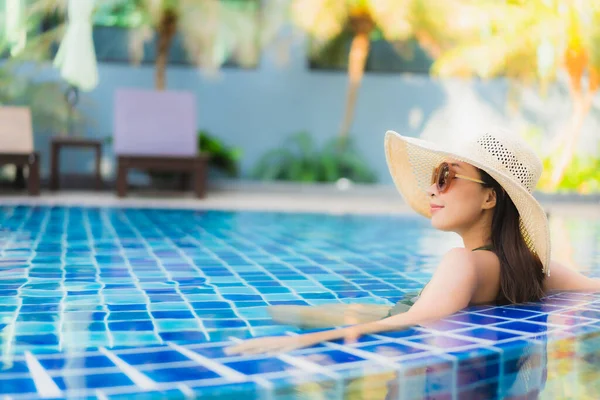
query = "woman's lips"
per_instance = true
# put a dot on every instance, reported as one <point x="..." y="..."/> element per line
<point x="434" y="208"/>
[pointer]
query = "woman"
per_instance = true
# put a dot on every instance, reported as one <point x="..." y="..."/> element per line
<point x="479" y="187"/>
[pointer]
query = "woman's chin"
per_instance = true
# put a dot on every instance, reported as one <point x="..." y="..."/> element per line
<point x="438" y="222"/>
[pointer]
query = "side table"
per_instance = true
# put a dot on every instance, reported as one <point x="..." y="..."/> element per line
<point x="59" y="142"/>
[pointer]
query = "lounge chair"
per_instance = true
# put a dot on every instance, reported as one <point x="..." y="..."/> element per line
<point x="157" y="131"/>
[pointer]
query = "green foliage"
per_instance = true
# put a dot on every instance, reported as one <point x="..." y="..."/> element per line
<point x="582" y="175"/>
<point x="300" y="160"/>
<point x="120" y="14"/>
<point x="334" y="53"/>
<point x="222" y="157"/>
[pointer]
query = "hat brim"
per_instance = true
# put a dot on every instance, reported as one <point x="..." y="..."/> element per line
<point x="411" y="162"/>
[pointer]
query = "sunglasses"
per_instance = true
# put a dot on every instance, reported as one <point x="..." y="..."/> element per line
<point x="443" y="175"/>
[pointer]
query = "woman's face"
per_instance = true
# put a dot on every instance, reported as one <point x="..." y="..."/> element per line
<point x="463" y="203"/>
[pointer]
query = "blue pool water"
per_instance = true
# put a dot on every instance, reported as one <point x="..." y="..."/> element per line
<point x="111" y="302"/>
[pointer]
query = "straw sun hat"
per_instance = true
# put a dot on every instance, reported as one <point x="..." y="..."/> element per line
<point x="504" y="155"/>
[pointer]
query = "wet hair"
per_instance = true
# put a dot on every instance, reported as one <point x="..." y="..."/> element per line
<point x="521" y="275"/>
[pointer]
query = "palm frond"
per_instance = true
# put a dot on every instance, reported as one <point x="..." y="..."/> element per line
<point x="44" y="7"/>
<point x="393" y="18"/>
<point x="215" y="31"/>
<point x="323" y="20"/>
<point x="23" y="87"/>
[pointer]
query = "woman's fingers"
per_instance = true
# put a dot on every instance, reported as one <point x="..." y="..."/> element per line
<point x="253" y="351"/>
<point x="243" y="347"/>
<point x="276" y="344"/>
<point x="252" y="346"/>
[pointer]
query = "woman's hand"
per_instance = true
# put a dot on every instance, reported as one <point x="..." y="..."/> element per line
<point x="282" y="344"/>
<point x="273" y="344"/>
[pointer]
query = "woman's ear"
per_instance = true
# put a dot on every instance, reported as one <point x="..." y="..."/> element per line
<point x="490" y="199"/>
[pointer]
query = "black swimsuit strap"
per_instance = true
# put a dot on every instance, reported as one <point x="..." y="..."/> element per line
<point x="486" y="247"/>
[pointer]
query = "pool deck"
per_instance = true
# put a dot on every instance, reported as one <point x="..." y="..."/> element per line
<point x="282" y="197"/>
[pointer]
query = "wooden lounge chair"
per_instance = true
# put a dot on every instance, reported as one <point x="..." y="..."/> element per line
<point x="157" y="131"/>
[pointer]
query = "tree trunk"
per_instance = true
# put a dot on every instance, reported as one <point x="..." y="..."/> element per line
<point x="357" y="59"/>
<point x="166" y="31"/>
<point x="581" y="107"/>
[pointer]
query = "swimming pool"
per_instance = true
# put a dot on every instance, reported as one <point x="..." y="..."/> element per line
<point x="110" y="302"/>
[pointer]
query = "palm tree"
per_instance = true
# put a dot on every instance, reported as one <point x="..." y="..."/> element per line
<point x="536" y="42"/>
<point x="213" y="31"/>
<point x="331" y="22"/>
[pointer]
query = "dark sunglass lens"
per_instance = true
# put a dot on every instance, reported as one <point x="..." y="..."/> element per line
<point x="442" y="178"/>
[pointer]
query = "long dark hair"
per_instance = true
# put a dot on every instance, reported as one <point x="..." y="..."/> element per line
<point x="521" y="275"/>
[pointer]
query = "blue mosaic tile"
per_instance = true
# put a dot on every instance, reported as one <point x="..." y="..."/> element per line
<point x="90" y="361"/>
<point x="39" y="339"/>
<point x="216" y="314"/>
<point x="332" y="357"/>
<point x="508" y="313"/>
<point x="523" y="326"/>
<point x="188" y="336"/>
<point x="392" y="349"/>
<point x="475" y="319"/>
<point x="223" y="334"/>
<point x="210" y="305"/>
<point x="404" y="333"/>
<point x="17" y="385"/>
<point x="131" y="326"/>
<point x="128" y="316"/>
<point x="210" y="351"/>
<point x="228" y="391"/>
<point x="181" y="374"/>
<point x="142" y="302"/>
<point x="95" y="381"/>
<point x="13" y="367"/>
<point x="260" y="366"/>
<point x="440" y="341"/>
<point x="490" y="334"/>
<point x="223" y="323"/>
<point x="153" y="357"/>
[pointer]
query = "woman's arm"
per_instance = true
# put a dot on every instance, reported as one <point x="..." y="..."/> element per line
<point x="563" y="278"/>
<point x="449" y="291"/>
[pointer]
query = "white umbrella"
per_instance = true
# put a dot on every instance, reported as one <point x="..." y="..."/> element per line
<point x="76" y="57"/>
<point x="16" y="28"/>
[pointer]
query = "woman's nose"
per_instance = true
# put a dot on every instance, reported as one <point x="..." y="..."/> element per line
<point x="432" y="190"/>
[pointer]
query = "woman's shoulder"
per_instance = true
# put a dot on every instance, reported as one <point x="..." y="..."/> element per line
<point x="485" y="264"/>
<point x="482" y="266"/>
<point x="459" y="256"/>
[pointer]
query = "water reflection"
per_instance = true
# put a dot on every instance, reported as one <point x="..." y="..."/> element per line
<point x="561" y="359"/>
<point x="519" y="370"/>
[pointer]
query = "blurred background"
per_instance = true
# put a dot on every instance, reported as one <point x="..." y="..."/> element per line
<point x="304" y="90"/>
